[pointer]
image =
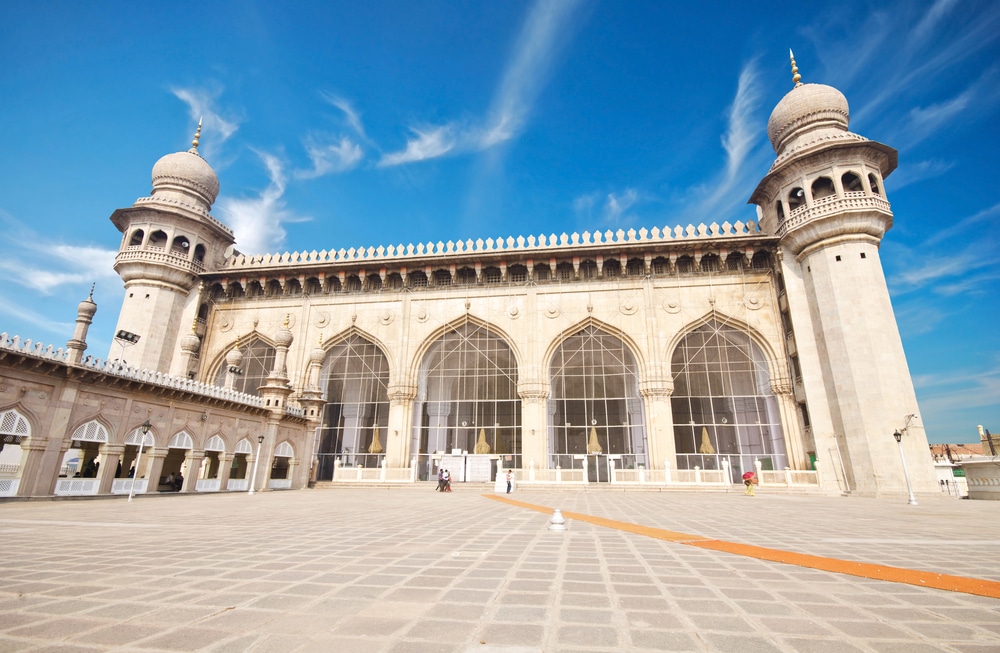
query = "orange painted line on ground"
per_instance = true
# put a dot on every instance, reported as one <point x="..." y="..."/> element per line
<point x="977" y="586"/>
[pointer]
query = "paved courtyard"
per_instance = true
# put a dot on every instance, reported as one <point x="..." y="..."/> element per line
<point x="411" y="570"/>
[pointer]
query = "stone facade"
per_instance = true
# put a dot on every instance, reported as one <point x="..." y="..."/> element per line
<point x="728" y="347"/>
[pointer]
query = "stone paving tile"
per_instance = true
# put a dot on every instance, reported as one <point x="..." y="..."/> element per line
<point x="498" y="575"/>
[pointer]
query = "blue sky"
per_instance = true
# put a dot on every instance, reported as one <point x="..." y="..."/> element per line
<point x="345" y="124"/>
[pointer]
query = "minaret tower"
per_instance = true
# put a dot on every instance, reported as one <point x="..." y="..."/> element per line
<point x="824" y="199"/>
<point x="169" y="238"/>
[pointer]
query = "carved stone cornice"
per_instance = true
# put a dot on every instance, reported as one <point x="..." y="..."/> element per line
<point x="656" y="388"/>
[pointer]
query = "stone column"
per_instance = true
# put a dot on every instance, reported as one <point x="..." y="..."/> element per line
<point x="225" y="463"/>
<point x="397" y="438"/>
<point x="795" y="449"/>
<point x="534" y="424"/>
<point x="194" y="471"/>
<point x="110" y="456"/>
<point x="660" y="428"/>
<point x="31" y="469"/>
<point x="154" y="466"/>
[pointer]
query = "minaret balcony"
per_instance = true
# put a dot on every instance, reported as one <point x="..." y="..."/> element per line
<point x="851" y="203"/>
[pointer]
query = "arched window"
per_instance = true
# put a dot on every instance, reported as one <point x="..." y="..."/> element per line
<point x="442" y="278"/>
<point x="595" y="407"/>
<point x="394" y="281"/>
<point x="313" y="286"/>
<point x="796" y="198"/>
<point x="355" y="380"/>
<point x="517" y="274"/>
<point x="418" y="279"/>
<point x="779" y="209"/>
<point x="258" y="361"/>
<point x="199" y="253"/>
<point x="293" y="287"/>
<point x="564" y="271"/>
<point x="353" y="283"/>
<point x="543" y="272"/>
<point x="852" y="183"/>
<point x="873" y="182"/>
<point x="661" y="266"/>
<point x="467" y="396"/>
<point x="136" y="238"/>
<point x="274" y="288"/>
<point x="761" y="260"/>
<point x="612" y="268"/>
<point x="685" y="264"/>
<point x="588" y="269"/>
<point x="465" y="277"/>
<point x="180" y="246"/>
<point x="254" y="289"/>
<point x="710" y="263"/>
<point x="823" y="187"/>
<point x="636" y="267"/>
<point x="492" y="275"/>
<point x="723" y="405"/>
<point x="157" y="239"/>
<point x="736" y="261"/>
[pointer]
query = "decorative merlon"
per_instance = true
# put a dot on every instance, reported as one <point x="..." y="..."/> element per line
<point x="494" y="245"/>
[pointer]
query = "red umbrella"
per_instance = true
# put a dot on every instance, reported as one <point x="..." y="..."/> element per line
<point x="747" y="476"/>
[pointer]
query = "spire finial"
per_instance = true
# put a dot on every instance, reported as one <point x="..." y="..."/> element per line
<point x="796" y="77"/>
<point x="197" y="137"/>
<point x="194" y="325"/>
<point x="92" y="286"/>
<point x="288" y="317"/>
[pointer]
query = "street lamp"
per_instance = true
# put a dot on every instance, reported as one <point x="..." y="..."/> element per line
<point x="125" y="339"/>
<point x="906" y="474"/>
<point x="256" y="459"/>
<point x="145" y="431"/>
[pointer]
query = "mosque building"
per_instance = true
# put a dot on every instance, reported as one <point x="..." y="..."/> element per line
<point x="668" y="355"/>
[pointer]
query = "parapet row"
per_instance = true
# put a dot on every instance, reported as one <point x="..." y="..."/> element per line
<point x="520" y="243"/>
<point x="116" y="368"/>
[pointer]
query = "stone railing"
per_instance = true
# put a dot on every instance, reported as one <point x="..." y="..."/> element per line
<point x="116" y="368"/>
<point x="161" y="256"/>
<point x="497" y="245"/>
<point x="830" y="205"/>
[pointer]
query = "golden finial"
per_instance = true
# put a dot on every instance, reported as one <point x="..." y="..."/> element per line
<point x="796" y="77"/>
<point x="197" y="137"/>
<point x="288" y="317"/>
<point x="320" y="339"/>
<point x="92" y="286"/>
<point x="194" y="325"/>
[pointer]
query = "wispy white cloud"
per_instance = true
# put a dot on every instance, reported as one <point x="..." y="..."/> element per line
<point x="45" y="266"/>
<point x="547" y="27"/>
<point x="545" y="30"/>
<point x="352" y="117"/>
<point x="18" y="310"/>
<point x="259" y="220"/>
<point x="746" y="154"/>
<point x="918" y="171"/>
<point x="429" y="144"/>
<point x="960" y="227"/>
<point x="932" y="18"/>
<point x="616" y="206"/>
<point x="330" y="157"/>
<point x="216" y="129"/>
<point x="948" y="398"/>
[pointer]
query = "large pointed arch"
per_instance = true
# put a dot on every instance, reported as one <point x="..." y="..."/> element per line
<point x="259" y="354"/>
<point x="467" y="395"/>
<point x="594" y="405"/>
<point x="354" y="380"/>
<point x="420" y="355"/>
<point x="723" y="404"/>
<point x="606" y="327"/>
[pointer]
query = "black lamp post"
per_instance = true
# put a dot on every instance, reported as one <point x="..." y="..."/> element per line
<point x="906" y="474"/>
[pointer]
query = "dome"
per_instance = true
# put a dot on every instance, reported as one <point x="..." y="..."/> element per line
<point x="283" y="338"/>
<point x="804" y="109"/>
<point x="190" y="343"/>
<point x="317" y="356"/>
<point x="234" y="358"/>
<point x="87" y="307"/>
<point x="186" y="173"/>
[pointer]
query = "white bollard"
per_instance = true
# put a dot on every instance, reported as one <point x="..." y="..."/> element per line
<point x="558" y="522"/>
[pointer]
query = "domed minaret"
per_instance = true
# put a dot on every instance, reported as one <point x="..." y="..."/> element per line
<point x="169" y="238"/>
<point x="824" y="199"/>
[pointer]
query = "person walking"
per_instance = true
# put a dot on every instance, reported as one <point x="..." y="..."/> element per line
<point x="447" y="481"/>
<point x="440" y="487"/>
<point x="510" y="480"/>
